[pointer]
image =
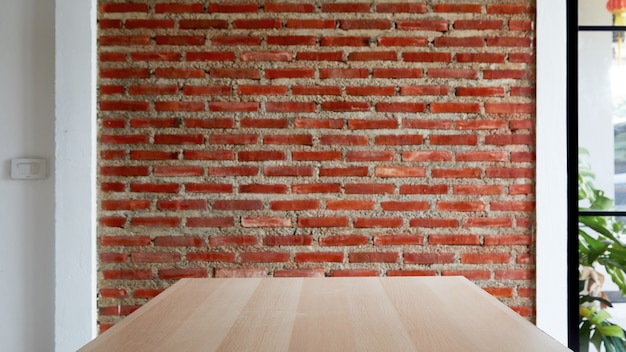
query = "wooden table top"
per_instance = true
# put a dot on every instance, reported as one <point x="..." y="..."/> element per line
<point x="324" y="314"/>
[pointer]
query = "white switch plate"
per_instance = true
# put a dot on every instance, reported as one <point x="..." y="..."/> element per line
<point x="28" y="168"/>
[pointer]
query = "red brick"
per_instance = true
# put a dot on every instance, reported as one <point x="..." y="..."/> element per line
<point x="147" y="292"/>
<point x="158" y="221"/>
<point x="502" y="74"/>
<point x="373" y="257"/>
<point x="343" y="73"/>
<point x="288" y="205"/>
<point x="474" y="275"/>
<point x="401" y="107"/>
<point x="454" y="239"/>
<point x="319" y="257"/>
<point x="523" y="91"/>
<point x="457" y="173"/>
<point x="460" y="8"/>
<point x="320" y="56"/>
<point x="310" y="24"/>
<point x="172" y="171"/>
<point x="403" y="139"/>
<point x="178" y="241"/>
<point x="402" y="41"/>
<point x="263" y="23"/>
<point x="261" y="155"/>
<point x="354" y="156"/>
<point x="124" y="73"/>
<point x="345" y="41"/>
<point x="149" y="23"/>
<point x="510" y="9"/>
<point x="263" y="188"/>
<point x="345" y="106"/>
<point x="424" y="90"/>
<point x="503" y="292"/>
<point x="350" y="205"/>
<point x="251" y="56"/>
<point x="123" y="7"/>
<point x="130" y="274"/>
<point x="300" y="273"/>
<point x="411" y="273"/>
<point x="265" y="222"/>
<point x="202" y="23"/>
<point x="289" y="106"/>
<point x="112" y="187"/>
<point x="344" y="240"/>
<point x="315" y="90"/>
<point x="373" y="56"/>
<point x="233" y="139"/>
<point x="127" y="171"/>
<point x="478" y="24"/>
<point x="153" y="89"/>
<point x="346" y="7"/>
<point x="238" y="204"/>
<point x="154" y="187"/>
<point x="179" y="139"/>
<point x="480" y="125"/>
<point x="428" y="258"/>
<point x="427" y="57"/>
<point x="343" y="171"/>
<point x="480" y="57"/>
<point x="113" y="257"/>
<point x="111" y="89"/>
<point x="369" y="188"/>
<point x="452" y="73"/>
<point x="208" y="188"/>
<point x="485" y="258"/>
<point x="354" y="272"/>
<point x="263" y="123"/>
<point x="434" y="223"/>
<point x="383" y="171"/>
<point x="290" y="240"/>
<point x="225" y="221"/>
<point x="515" y="274"/>
<point x="289" y="7"/>
<point x="459" y="139"/>
<point x="481" y="156"/>
<point x="155" y="257"/>
<point x="480" y="91"/>
<point x="288" y="171"/>
<point x="125" y="204"/>
<point x="526" y="124"/>
<point x="231" y="240"/>
<point x="264" y="257"/>
<point x="208" y="155"/>
<point x="509" y="108"/>
<point x="180" y="273"/>
<point x="477" y="189"/>
<point x="343" y="140"/>
<point x="455" y="107"/>
<point x="522" y="58"/>
<point x="179" y="106"/>
<point x="371" y="90"/>
<point x="178" y="8"/>
<point x="316" y="156"/>
<point x="121" y="105"/>
<point x="155" y="56"/>
<point x="228" y="122"/>
<point x="365" y="24"/>
<point x="113" y="293"/>
<point x="521" y="189"/>
<point x="401" y="7"/>
<point x="427" y="124"/>
<point x="322" y="222"/>
<point x="443" y="42"/>
<point x="125" y="240"/>
<point x="520" y="42"/>
<point x="124" y="139"/>
<point x="370" y="124"/>
<point x="289" y="73"/>
<point x="233" y="171"/>
<point x="423" y="25"/>
<point x="247" y="273"/>
<point x="377" y="222"/>
<point x="243" y="73"/>
<point x="180" y="40"/>
<point x="234" y="106"/>
<point x="236" y="40"/>
<point x="233" y="7"/>
<point x="520" y="25"/>
<point x="210" y="56"/>
<point x="488" y="222"/>
<point x="510" y="172"/>
<point x="500" y="240"/>
<point x="512" y="206"/>
<point x="405" y="205"/>
<point x="398" y="240"/>
<point x="109" y="24"/>
<point x="427" y="156"/>
<point x="119" y="40"/>
<point x="291" y="40"/>
<point x="460" y="206"/>
<point x="397" y="73"/>
<point x="172" y="72"/>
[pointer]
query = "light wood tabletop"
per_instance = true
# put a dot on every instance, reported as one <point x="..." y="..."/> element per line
<point x="324" y="314"/>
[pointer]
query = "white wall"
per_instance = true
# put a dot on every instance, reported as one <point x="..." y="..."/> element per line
<point x="26" y="207"/>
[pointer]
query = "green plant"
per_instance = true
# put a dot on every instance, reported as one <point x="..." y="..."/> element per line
<point x="598" y="244"/>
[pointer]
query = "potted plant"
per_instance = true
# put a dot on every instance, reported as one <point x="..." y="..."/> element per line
<point x="599" y="244"/>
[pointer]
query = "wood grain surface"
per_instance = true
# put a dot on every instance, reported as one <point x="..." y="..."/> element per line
<point x="324" y="314"/>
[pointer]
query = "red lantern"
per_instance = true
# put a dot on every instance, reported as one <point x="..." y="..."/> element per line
<point x="617" y="8"/>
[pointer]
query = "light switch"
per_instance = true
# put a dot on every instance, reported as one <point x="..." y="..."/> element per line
<point x="28" y="168"/>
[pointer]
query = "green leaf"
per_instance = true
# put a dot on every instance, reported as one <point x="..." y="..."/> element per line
<point x="611" y="330"/>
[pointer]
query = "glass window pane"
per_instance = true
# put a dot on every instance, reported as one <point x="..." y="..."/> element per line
<point x="594" y="13"/>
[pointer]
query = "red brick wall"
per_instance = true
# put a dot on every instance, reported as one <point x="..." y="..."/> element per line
<point x="315" y="139"/>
